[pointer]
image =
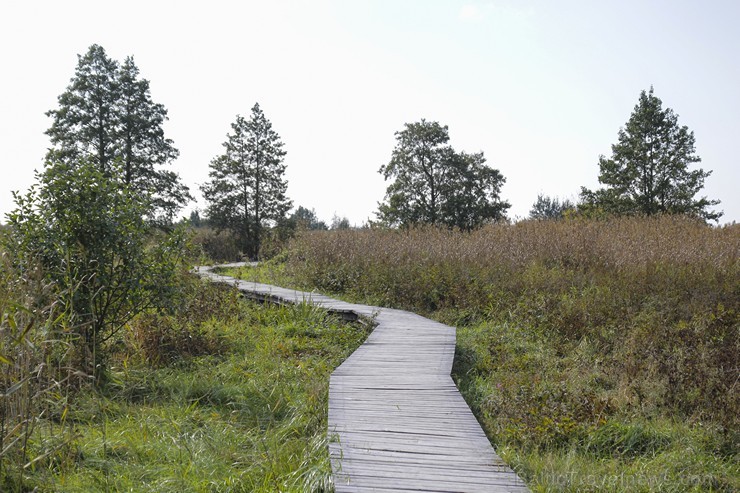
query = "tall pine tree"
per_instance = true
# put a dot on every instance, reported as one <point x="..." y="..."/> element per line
<point x="648" y="172"/>
<point x="107" y="114"/>
<point x="144" y="146"/>
<point x="246" y="192"/>
<point x="87" y="123"/>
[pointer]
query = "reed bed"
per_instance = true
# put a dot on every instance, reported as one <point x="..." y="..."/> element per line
<point x="37" y="375"/>
<point x="614" y="340"/>
<point x="432" y="268"/>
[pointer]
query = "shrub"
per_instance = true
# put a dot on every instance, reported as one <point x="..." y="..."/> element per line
<point x="185" y="330"/>
<point x="216" y="246"/>
<point x="88" y="235"/>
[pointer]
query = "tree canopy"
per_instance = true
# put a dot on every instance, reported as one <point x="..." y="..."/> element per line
<point x="107" y="115"/>
<point x="307" y="219"/>
<point x="648" y="172"/>
<point x="246" y="191"/>
<point x="434" y="184"/>
<point x="339" y="222"/>
<point x="546" y="207"/>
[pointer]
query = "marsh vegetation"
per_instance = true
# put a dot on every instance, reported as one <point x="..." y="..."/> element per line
<point x="597" y="355"/>
<point x="220" y="394"/>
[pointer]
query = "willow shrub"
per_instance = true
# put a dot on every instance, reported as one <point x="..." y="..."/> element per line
<point x="88" y="234"/>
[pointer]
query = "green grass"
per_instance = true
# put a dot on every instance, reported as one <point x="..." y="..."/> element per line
<point x="558" y="417"/>
<point x="270" y="272"/>
<point x="242" y="410"/>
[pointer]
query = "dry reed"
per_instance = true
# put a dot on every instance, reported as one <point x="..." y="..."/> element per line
<point x="659" y="296"/>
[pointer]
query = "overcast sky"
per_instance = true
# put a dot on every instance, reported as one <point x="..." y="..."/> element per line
<point x="541" y="87"/>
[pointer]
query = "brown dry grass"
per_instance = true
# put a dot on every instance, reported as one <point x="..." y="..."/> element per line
<point x="658" y="298"/>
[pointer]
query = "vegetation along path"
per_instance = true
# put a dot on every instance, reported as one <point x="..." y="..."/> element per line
<point x="398" y="422"/>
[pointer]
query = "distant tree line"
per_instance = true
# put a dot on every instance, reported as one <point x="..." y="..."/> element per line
<point x="546" y="207"/>
<point x="304" y="218"/>
<point x="106" y="119"/>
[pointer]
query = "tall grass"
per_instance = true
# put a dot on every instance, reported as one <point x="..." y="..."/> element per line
<point x="605" y="339"/>
<point x="35" y="374"/>
<point x="216" y="395"/>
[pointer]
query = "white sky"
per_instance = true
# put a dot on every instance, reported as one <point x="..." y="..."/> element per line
<point x="541" y="87"/>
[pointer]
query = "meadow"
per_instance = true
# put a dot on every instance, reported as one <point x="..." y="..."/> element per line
<point x="599" y="355"/>
<point x="218" y="395"/>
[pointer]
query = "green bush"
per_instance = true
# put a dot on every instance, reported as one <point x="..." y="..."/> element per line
<point x="88" y="235"/>
<point x="217" y="247"/>
<point x="188" y="328"/>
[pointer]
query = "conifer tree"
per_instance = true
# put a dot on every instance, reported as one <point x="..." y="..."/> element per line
<point x="86" y="124"/>
<point x="246" y="192"/>
<point x="648" y="172"/>
<point x="107" y="114"/>
<point x="144" y="146"/>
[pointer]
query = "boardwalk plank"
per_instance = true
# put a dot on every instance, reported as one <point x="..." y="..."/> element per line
<point x="397" y="422"/>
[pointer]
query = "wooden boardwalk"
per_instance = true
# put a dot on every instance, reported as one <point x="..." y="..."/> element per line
<point x="396" y="419"/>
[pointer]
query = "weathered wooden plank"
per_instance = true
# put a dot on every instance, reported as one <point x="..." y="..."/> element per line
<point x="438" y="485"/>
<point x="457" y="460"/>
<point x="397" y="422"/>
<point x="423" y="472"/>
<point x="478" y="463"/>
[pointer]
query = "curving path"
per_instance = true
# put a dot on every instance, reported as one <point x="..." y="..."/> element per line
<point x="398" y="422"/>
